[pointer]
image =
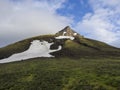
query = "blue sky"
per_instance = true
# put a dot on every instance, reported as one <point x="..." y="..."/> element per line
<point x="75" y="8"/>
<point x="96" y="19"/>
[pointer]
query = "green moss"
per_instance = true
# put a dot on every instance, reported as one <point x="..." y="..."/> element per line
<point x="71" y="44"/>
<point x="61" y="74"/>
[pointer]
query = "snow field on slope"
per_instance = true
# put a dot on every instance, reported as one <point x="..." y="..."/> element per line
<point x="65" y="37"/>
<point x="37" y="49"/>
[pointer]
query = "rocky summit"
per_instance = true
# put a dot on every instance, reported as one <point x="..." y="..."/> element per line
<point x="67" y="31"/>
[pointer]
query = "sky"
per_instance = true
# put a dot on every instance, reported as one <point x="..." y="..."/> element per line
<point x="95" y="19"/>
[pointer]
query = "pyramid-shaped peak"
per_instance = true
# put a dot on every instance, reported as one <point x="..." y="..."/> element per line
<point x="67" y="31"/>
<point x="67" y="28"/>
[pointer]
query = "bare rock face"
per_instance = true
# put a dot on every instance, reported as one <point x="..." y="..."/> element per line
<point x="67" y="31"/>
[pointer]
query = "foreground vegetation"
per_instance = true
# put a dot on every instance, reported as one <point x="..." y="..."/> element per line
<point x="61" y="74"/>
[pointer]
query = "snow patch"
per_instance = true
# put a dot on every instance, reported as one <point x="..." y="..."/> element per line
<point x="65" y="37"/>
<point x="75" y="34"/>
<point x="36" y="49"/>
<point x="64" y="33"/>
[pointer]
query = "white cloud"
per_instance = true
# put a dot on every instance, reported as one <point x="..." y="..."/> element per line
<point x="26" y="18"/>
<point x="103" y="24"/>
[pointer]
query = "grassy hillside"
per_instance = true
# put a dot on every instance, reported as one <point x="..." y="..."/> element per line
<point x="93" y="65"/>
<point x="61" y="74"/>
<point x="21" y="45"/>
<point x="80" y="47"/>
<point x="84" y="47"/>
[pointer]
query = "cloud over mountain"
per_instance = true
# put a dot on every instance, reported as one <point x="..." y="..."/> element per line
<point x="103" y="23"/>
<point x="25" y="18"/>
<point x="96" y="19"/>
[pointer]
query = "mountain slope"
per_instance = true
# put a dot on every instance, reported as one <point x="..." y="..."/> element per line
<point x="81" y="64"/>
<point x="81" y="47"/>
<point x="21" y="45"/>
<point x="61" y="74"/>
<point x="78" y="47"/>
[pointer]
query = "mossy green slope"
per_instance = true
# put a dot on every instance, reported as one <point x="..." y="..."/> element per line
<point x="88" y="68"/>
<point x="84" y="47"/>
<point x="61" y="74"/>
<point x="76" y="48"/>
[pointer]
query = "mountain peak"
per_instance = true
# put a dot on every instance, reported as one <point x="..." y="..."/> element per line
<point x="67" y="28"/>
<point x="67" y="31"/>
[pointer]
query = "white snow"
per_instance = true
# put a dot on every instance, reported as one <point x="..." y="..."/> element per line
<point x="75" y="34"/>
<point x="36" y="49"/>
<point x="65" y="37"/>
<point x="64" y="33"/>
